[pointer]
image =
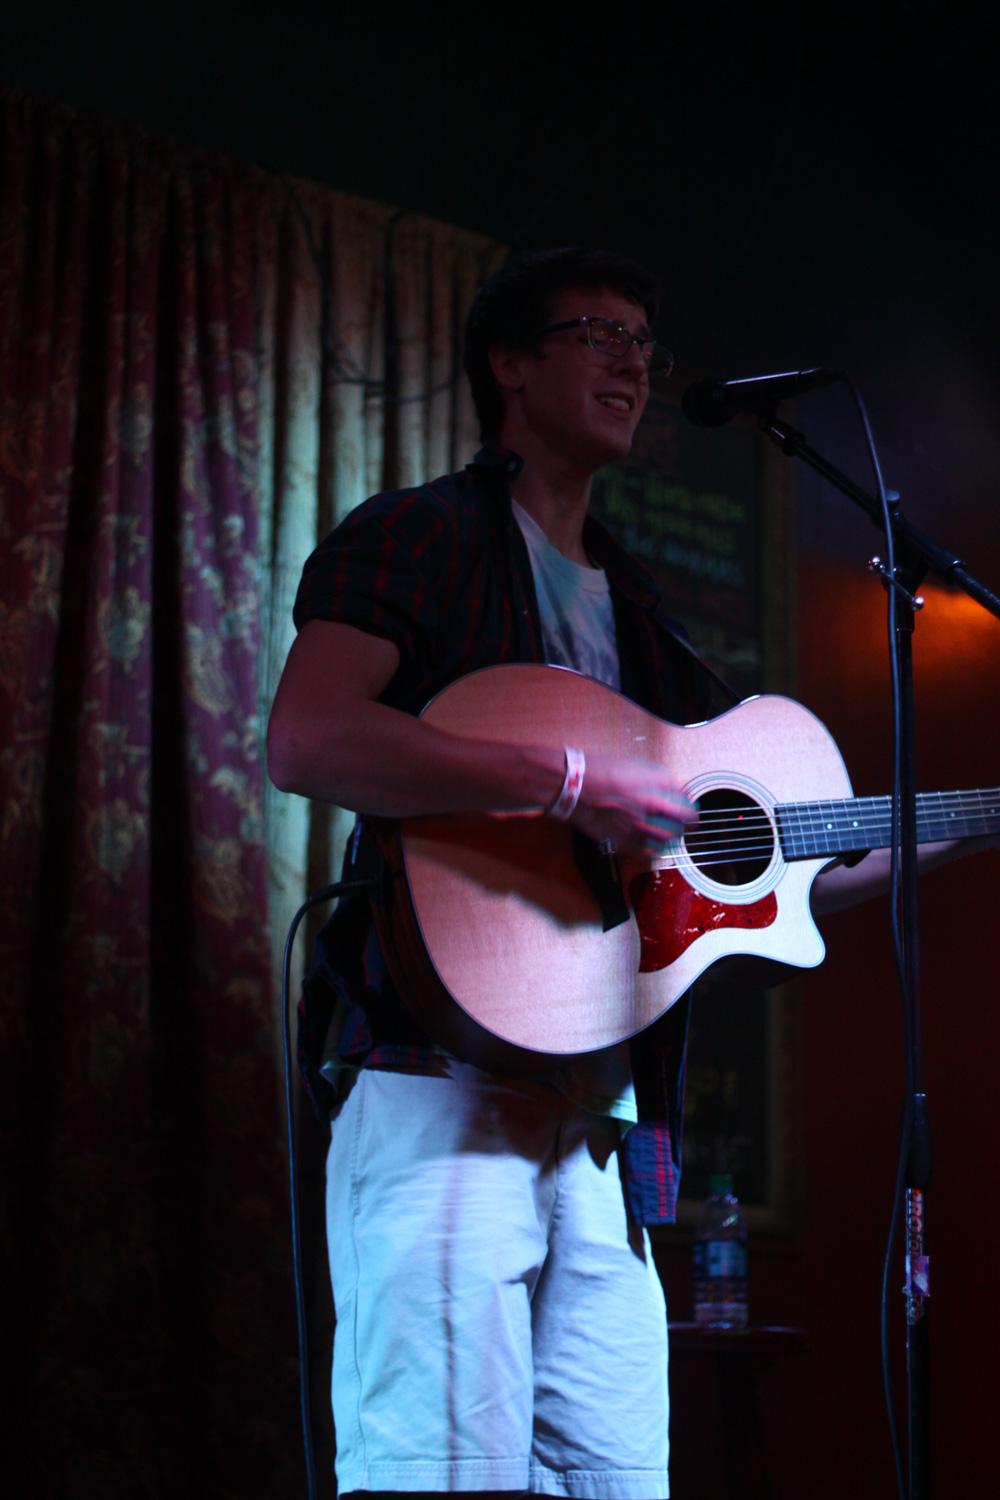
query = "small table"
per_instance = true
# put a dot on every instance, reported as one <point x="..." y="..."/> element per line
<point x="738" y="1355"/>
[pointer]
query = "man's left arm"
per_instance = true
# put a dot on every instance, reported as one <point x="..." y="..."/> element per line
<point x="842" y="885"/>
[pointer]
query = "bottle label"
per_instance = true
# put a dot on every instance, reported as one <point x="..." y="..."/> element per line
<point x="723" y="1258"/>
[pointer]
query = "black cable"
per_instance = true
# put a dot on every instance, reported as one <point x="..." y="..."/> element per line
<point x="345" y="370"/>
<point x="328" y="893"/>
<point x="895" y="895"/>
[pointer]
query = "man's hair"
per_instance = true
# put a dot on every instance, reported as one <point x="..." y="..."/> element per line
<point x="513" y="307"/>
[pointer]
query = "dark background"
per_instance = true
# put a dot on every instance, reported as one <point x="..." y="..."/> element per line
<point x="816" y="186"/>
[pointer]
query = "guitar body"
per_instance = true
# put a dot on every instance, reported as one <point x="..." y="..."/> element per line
<point x="520" y="967"/>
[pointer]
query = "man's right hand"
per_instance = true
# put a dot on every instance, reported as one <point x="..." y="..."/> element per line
<point x="634" y="804"/>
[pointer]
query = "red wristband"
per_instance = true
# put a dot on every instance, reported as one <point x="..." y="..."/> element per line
<point x="569" y="793"/>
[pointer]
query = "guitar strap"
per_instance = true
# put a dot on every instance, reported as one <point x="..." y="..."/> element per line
<point x="672" y="629"/>
<point x="599" y="869"/>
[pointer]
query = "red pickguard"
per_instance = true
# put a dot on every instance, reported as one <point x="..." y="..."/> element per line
<point x="671" y="915"/>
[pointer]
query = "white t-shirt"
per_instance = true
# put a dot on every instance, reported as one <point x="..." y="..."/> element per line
<point x="578" y="631"/>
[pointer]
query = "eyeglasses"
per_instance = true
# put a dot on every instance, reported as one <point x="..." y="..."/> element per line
<point x="615" y="340"/>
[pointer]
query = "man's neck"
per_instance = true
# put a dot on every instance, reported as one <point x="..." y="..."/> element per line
<point x="556" y="495"/>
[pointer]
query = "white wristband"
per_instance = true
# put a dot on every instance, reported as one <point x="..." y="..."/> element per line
<point x="569" y="793"/>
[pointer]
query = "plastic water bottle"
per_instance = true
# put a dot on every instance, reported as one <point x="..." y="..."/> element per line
<point x="720" y="1259"/>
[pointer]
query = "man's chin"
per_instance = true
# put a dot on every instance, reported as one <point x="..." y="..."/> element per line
<point x="599" y="449"/>
<point x="615" y="450"/>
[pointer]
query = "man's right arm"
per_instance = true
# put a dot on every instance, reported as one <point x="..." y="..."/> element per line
<point x="330" y="739"/>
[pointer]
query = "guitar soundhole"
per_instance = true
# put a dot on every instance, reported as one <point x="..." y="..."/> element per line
<point x="733" y="840"/>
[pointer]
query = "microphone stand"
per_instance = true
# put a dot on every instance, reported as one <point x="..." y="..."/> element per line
<point x="916" y="555"/>
<point x="930" y="557"/>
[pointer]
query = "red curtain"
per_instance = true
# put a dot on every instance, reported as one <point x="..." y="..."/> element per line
<point x="147" y="1268"/>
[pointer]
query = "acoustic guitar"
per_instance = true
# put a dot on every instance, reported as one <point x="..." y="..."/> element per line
<point x="518" y="941"/>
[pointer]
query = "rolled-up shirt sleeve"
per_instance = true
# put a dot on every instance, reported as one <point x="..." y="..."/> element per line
<point x="387" y="568"/>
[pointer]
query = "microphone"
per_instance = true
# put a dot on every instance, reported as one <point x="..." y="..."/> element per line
<point x="713" y="403"/>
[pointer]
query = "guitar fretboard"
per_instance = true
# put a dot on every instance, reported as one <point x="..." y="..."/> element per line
<point x="844" y="825"/>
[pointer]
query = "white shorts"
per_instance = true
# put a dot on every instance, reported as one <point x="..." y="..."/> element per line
<point x="500" y="1322"/>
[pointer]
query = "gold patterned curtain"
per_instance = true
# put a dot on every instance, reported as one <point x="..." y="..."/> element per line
<point x="201" y="367"/>
<point x="361" y="390"/>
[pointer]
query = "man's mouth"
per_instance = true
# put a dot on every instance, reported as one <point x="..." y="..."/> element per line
<point x="620" y="403"/>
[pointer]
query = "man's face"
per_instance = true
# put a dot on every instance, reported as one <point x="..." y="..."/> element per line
<point x="582" y="404"/>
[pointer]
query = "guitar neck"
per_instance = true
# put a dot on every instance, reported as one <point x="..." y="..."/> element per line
<point x="845" y="825"/>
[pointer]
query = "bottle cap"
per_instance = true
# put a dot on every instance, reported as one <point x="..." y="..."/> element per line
<point x="720" y="1183"/>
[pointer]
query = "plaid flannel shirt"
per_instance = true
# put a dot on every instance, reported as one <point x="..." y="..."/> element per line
<point x="443" y="572"/>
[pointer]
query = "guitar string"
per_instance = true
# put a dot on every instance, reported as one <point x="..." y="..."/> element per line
<point x="673" y="862"/>
<point x="716" y="840"/>
<point x="743" y="853"/>
<point x="826" y="824"/>
<point x="754" y="833"/>
<point x="877" y="807"/>
<point x="832" y="817"/>
<point x="755" y="853"/>
<point x="765" y="838"/>
<point x="972" y="793"/>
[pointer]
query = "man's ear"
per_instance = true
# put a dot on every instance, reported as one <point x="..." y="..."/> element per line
<point x="508" y="366"/>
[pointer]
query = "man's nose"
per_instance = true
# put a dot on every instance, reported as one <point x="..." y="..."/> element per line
<point x="632" y="361"/>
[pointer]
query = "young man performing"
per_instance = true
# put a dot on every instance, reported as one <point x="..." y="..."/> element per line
<point x="500" y="1323"/>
